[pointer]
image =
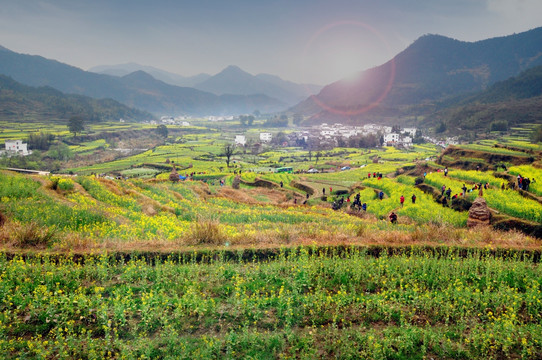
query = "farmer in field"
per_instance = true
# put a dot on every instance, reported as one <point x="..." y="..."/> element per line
<point x="402" y="200"/>
<point x="393" y="218"/>
<point x="414" y="198"/>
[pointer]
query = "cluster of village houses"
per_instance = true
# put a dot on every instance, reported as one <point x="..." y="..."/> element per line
<point x="330" y="134"/>
<point x="326" y="134"/>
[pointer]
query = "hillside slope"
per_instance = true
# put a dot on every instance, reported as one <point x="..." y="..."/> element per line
<point x="431" y="69"/>
<point x="24" y="103"/>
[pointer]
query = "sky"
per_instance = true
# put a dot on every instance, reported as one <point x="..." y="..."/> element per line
<point x="305" y="41"/>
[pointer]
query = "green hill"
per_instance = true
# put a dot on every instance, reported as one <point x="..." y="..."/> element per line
<point x="25" y="103"/>
<point x="512" y="102"/>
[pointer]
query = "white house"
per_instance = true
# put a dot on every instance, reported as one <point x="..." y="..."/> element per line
<point x="240" y="140"/>
<point x="266" y="137"/>
<point x="185" y="123"/>
<point x="411" y="131"/>
<point x="391" y="138"/>
<point x="407" y="140"/>
<point x="17" y="147"/>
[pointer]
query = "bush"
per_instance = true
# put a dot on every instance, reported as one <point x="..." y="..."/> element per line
<point x="33" y="235"/>
<point x="206" y="231"/>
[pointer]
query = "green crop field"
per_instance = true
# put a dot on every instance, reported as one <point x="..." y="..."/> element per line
<point x="144" y="267"/>
<point x="316" y="303"/>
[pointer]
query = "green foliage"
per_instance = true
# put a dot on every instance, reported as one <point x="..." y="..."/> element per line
<point x="76" y="124"/>
<point x="60" y="151"/>
<point x="314" y="303"/>
<point x="536" y="135"/>
<point x="441" y="127"/>
<point x="162" y="131"/>
<point x="40" y="141"/>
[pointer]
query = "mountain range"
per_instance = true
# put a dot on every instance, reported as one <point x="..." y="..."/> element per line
<point x="432" y="80"/>
<point x="430" y="70"/>
<point x="25" y="103"/>
<point x="162" y="75"/>
<point x="232" y="80"/>
<point x="137" y="89"/>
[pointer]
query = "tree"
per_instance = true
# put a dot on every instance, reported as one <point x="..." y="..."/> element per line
<point x="537" y="134"/>
<point x="257" y="113"/>
<point x="441" y="127"/>
<point x="162" y="131"/>
<point x="250" y="120"/>
<point x="318" y="155"/>
<point x="228" y="152"/>
<point x="76" y="124"/>
<point x="279" y="139"/>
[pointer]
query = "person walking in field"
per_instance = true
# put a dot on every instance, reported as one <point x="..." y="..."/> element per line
<point x="449" y="193"/>
<point x="446" y="171"/>
<point x="324" y="191"/>
<point x="330" y="190"/>
<point x="402" y="200"/>
<point x="443" y="190"/>
<point x="393" y="218"/>
<point x="364" y="206"/>
<point x="464" y="188"/>
<point x="414" y="198"/>
<point x="381" y="195"/>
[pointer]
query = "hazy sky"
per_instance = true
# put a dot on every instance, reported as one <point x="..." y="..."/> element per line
<point x="316" y="41"/>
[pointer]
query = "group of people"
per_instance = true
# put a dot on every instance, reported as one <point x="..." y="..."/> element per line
<point x="375" y="175"/>
<point x="523" y="183"/>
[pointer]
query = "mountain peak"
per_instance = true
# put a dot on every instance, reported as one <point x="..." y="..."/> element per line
<point x="139" y="75"/>
<point x="233" y="69"/>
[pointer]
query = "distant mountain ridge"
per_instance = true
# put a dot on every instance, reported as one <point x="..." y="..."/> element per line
<point x="162" y="75"/>
<point x="233" y="80"/>
<point x="22" y="103"/>
<point x="139" y="91"/>
<point x="433" y="68"/>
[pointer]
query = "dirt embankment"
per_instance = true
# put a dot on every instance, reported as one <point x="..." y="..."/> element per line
<point x="303" y="187"/>
<point x="462" y="158"/>
<point x="260" y="183"/>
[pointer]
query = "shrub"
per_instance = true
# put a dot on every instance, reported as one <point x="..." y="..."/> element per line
<point x="206" y="231"/>
<point x="33" y="235"/>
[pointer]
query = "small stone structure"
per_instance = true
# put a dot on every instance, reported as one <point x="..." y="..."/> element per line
<point x="479" y="213"/>
<point x="236" y="182"/>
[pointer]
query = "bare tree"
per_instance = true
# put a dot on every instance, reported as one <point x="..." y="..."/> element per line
<point x="228" y="152"/>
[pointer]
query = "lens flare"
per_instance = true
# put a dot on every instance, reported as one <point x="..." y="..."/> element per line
<point x="372" y="104"/>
